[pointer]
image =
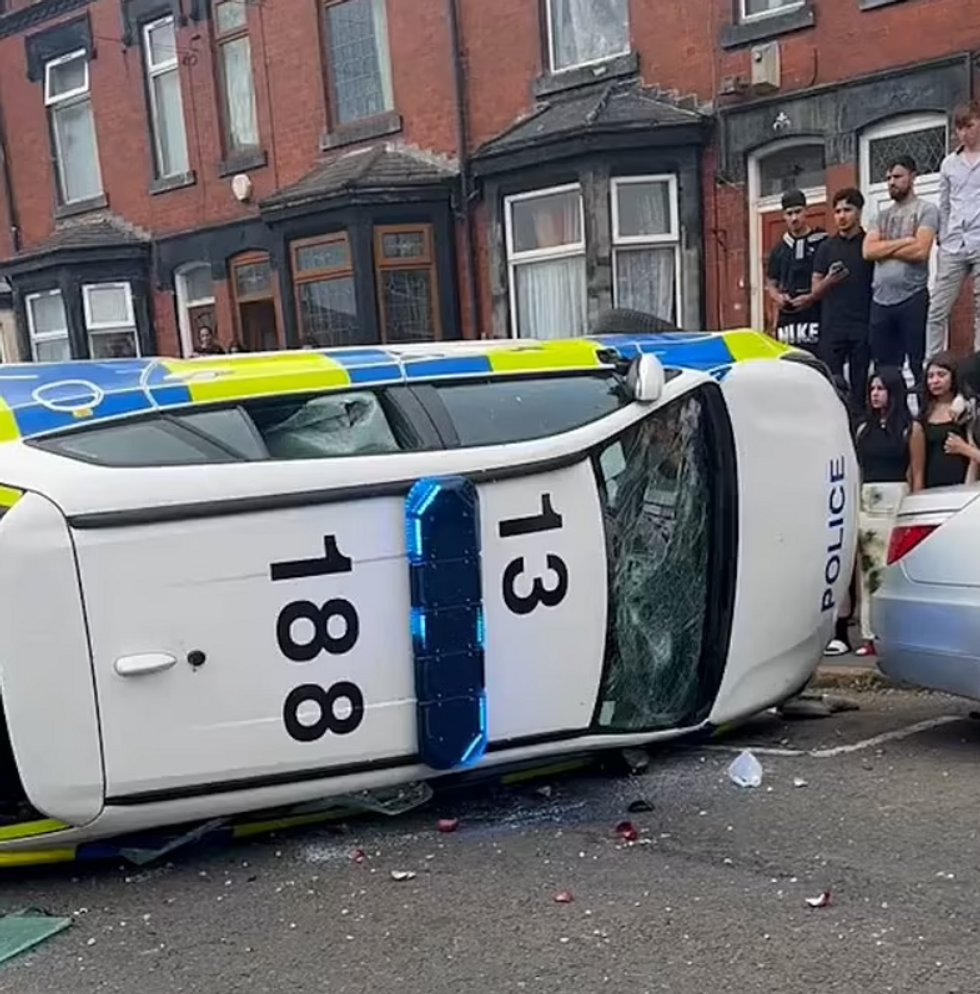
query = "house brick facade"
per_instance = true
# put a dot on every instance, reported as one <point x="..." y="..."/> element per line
<point x="360" y="171"/>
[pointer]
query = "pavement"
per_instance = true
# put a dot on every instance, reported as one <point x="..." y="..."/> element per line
<point x="876" y="807"/>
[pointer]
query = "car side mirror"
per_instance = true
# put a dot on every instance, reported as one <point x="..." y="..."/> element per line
<point x="646" y="379"/>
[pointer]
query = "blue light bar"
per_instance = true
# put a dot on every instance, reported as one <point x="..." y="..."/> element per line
<point x="442" y="535"/>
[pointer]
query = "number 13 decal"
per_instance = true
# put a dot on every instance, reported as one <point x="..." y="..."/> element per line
<point x="545" y="592"/>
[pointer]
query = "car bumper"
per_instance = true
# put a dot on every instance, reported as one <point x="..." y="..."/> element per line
<point x="929" y="636"/>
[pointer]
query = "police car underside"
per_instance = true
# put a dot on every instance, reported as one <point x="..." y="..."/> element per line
<point x="188" y="642"/>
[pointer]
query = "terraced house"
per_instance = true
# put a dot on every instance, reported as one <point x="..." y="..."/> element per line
<point x="294" y="172"/>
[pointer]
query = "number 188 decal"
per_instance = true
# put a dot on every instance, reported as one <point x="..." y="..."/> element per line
<point x="336" y="629"/>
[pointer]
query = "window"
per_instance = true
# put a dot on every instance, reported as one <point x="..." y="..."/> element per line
<point x="195" y="303"/>
<point x="166" y="103"/>
<point x="319" y="427"/>
<point x="48" y="327"/>
<point x="928" y="147"/>
<point x="796" y="167"/>
<point x="406" y="281"/>
<point x="110" y="321"/>
<point x="325" y="296"/>
<point x="237" y="80"/>
<point x="358" y="62"/>
<point x="254" y="290"/>
<point x="751" y="9"/>
<point x="646" y="245"/>
<point x="584" y="31"/>
<point x="524" y="408"/>
<point x="546" y="257"/>
<point x="76" y="149"/>
<point x="658" y="485"/>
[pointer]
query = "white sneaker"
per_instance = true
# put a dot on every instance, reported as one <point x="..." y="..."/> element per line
<point x="836" y="648"/>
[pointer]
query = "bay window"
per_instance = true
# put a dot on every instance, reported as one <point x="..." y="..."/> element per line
<point x="405" y="275"/>
<point x="47" y="324"/>
<point x="237" y="79"/>
<point x="323" y="277"/>
<point x="646" y="245"/>
<point x="166" y="101"/>
<point x="76" y="149"/>
<point x="586" y="31"/>
<point x="546" y="261"/>
<point x="110" y="321"/>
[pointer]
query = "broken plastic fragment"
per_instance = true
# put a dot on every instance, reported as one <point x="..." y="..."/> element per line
<point x="639" y="805"/>
<point x="800" y="782"/>
<point x="401" y="875"/>
<point x="746" y="770"/>
<point x="564" y="897"/>
<point x="358" y="855"/>
<point x="446" y="825"/>
<point x="627" y="831"/>
<point x="819" y="902"/>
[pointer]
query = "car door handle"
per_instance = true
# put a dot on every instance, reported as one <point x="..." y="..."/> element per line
<point x="144" y="663"/>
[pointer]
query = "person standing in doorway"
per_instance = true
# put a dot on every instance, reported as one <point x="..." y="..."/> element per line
<point x="789" y="276"/>
<point x="899" y="243"/>
<point x="959" y="230"/>
<point x="842" y="284"/>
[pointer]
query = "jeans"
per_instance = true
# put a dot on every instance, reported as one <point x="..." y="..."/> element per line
<point x="951" y="270"/>
<point x="850" y="346"/>
<point x="899" y="331"/>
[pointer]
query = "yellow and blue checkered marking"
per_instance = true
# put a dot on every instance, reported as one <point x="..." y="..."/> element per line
<point x="39" y="398"/>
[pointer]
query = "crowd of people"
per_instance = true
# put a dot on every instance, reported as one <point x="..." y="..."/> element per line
<point x="861" y="301"/>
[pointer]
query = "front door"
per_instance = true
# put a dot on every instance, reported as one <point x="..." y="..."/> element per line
<point x="773" y="229"/>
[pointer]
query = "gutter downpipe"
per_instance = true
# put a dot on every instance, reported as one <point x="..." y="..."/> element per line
<point x="8" y="191"/>
<point x="460" y="94"/>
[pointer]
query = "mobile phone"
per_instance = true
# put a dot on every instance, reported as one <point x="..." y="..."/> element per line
<point x="838" y="268"/>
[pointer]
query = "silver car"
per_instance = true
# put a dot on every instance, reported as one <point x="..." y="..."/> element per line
<point x="926" y="613"/>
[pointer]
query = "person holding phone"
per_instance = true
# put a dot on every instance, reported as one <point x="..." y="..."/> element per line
<point x="842" y="280"/>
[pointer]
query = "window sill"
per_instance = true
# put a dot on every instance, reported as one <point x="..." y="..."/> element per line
<point x="874" y="4"/>
<point x="168" y="183"/>
<point x="243" y="162"/>
<point x="617" y="67"/>
<point x="98" y="203"/>
<point x="360" y="131"/>
<point x="767" y="28"/>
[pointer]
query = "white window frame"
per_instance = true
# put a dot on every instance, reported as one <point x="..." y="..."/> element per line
<point x="102" y="327"/>
<point x="550" y="27"/>
<point x="672" y="238"/>
<point x="185" y="302"/>
<point x="60" y="98"/>
<point x="744" y="17"/>
<point x="154" y="71"/>
<point x="514" y="259"/>
<point x="45" y="336"/>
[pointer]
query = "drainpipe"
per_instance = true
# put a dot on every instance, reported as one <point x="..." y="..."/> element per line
<point x="460" y="95"/>
<point x="8" y="191"/>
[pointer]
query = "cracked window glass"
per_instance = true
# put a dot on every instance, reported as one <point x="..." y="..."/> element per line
<point x="657" y="504"/>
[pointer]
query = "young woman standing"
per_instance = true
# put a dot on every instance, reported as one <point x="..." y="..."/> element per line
<point x="943" y="450"/>
<point x="883" y="440"/>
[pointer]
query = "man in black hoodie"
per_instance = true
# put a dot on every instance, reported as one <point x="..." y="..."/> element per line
<point x="789" y="276"/>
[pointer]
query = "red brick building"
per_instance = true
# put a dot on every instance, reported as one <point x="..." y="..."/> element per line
<point x="356" y="171"/>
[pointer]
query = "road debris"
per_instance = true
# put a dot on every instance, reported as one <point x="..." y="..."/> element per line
<point x="819" y="902"/>
<point x="358" y="856"/>
<point x="564" y="897"/>
<point x="745" y="770"/>
<point x="799" y="782"/>
<point x="401" y="875"/>
<point x="626" y="830"/>
<point x="639" y="805"/>
<point x="447" y="825"/>
<point x="25" y="929"/>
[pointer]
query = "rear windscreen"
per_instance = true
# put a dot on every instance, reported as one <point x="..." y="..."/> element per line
<point x="496" y="412"/>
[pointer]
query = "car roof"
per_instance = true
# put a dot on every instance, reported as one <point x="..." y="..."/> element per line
<point x="37" y="398"/>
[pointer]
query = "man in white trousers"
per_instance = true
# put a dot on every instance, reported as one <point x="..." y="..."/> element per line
<point x="959" y="230"/>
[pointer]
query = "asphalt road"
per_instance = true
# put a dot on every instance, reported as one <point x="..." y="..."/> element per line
<point x="712" y="895"/>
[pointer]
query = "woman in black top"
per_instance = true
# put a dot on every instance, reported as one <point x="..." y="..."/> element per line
<point x="944" y="452"/>
<point x="883" y="441"/>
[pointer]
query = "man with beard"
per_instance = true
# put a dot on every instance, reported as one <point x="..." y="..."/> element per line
<point x="899" y="244"/>
<point x="790" y="276"/>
